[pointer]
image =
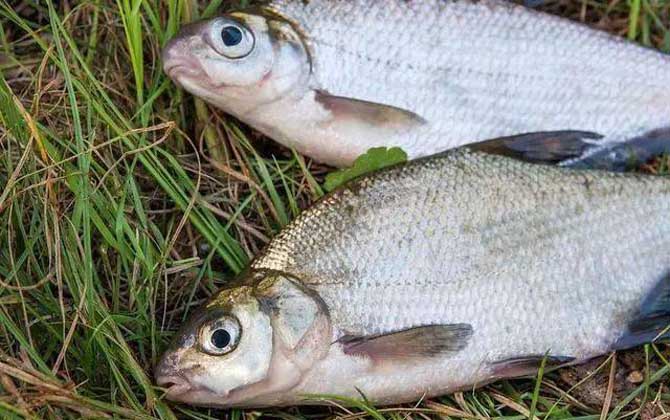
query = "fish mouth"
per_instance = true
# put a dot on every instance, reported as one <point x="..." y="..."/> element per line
<point x="170" y="68"/>
<point x="178" y="63"/>
<point x="178" y="69"/>
<point x="175" y="385"/>
<point x="179" y="389"/>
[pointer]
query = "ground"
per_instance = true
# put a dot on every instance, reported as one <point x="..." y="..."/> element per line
<point x="125" y="203"/>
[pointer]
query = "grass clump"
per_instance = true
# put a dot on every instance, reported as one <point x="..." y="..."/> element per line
<point x="125" y="203"/>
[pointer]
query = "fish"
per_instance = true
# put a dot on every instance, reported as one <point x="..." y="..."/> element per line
<point x="436" y="275"/>
<point x="334" y="79"/>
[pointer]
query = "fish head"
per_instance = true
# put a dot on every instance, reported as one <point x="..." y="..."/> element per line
<point x="248" y="346"/>
<point x="238" y="61"/>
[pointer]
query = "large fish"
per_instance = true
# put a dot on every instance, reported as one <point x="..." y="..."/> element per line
<point x="436" y="275"/>
<point x="334" y="78"/>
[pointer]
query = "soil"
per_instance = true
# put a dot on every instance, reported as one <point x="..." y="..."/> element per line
<point x="630" y="373"/>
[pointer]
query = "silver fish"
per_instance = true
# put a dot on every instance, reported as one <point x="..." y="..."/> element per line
<point x="441" y="274"/>
<point x="335" y="78"/>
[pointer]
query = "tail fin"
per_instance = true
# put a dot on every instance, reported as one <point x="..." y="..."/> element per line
<point x="652" y="322"/>
<point x="626" y="155"/>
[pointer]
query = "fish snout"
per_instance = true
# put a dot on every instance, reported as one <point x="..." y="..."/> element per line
<point x="171" y="56"/>
<point x="167" y="375"/>
<point x="175" y="385"/>
<point x="179" y="59"/>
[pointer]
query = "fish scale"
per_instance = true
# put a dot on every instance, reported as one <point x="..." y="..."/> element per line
<point x="495" y="49"/>
<point x="434" y="275"/>
<point x="424" y="75"/>
<point x="397" y="247"/>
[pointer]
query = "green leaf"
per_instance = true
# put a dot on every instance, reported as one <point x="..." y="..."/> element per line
<point x="372" y="160"/>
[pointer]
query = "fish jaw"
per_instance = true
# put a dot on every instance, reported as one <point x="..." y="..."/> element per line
<point x="177" y="65"/>
<point x="283" y="330"/>
<point x="274" y="90"/>
<point x="193" y="369"/>
<point x="180" y="389"/>
<point x="276" y="62"/>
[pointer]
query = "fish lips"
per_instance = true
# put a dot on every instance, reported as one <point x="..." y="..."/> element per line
<point x="176" y="385"/>
<point x="180" y="69"/>
<point x="180" y="389"/>
<point x="177" y="65"/>
<point x="168" y="376"/>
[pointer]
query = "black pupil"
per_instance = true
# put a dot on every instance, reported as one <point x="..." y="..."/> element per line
<point x="220" y="338"/>
<point x="231" y="36"/>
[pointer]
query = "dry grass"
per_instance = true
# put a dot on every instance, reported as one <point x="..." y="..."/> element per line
<point x="126" y="202"/>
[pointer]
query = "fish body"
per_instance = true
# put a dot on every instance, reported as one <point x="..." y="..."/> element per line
<point x="333" y="79"/>
<point x="438" y="275"/>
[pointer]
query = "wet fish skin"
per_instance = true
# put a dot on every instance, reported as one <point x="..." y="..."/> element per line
<point x="501" y="260"/>
<point x="461" y="71"/>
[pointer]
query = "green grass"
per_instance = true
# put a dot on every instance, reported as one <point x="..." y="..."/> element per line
<point x="125" y="203"/>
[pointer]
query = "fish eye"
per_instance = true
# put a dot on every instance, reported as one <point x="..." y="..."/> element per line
<point x="231" y="36"/>
<point x="220" y="336"/>
<point x="234" y="39"/>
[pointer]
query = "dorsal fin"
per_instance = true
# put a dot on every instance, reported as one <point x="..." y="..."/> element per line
<point x="579" y="149"/>
<point x="550" y="147"/>
<point x="626" y="155"/>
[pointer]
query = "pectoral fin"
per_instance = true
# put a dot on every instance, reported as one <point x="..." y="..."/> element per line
<point x="548" y="147"/>
<point x="426" y="341"/>
<point x="354" y="114"/>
